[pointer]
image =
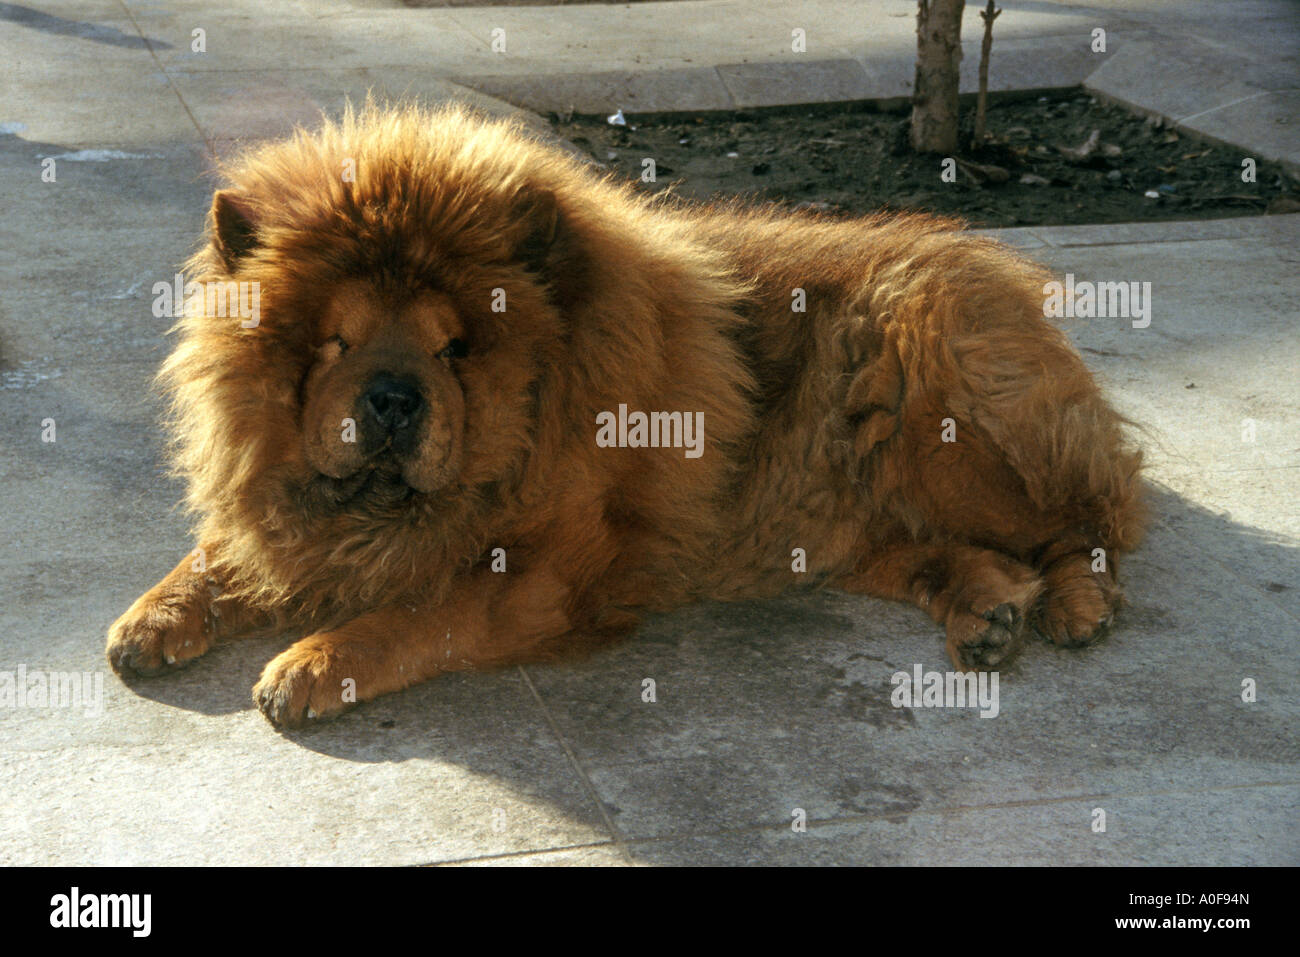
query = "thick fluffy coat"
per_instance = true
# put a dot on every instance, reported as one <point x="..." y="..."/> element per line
<point x="883" y="407"/>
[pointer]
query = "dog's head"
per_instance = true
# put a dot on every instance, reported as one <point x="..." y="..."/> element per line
<point x="411" y="281"/>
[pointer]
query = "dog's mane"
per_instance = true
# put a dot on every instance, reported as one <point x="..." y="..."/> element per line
<point x="427" y="198"/>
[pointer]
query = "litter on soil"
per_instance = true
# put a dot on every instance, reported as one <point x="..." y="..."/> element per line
<point x="1051" y="160"/>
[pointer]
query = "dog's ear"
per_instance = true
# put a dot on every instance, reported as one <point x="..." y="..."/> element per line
<point x="549" y="246"/>
<point x="536" y="215"/>
<point x="233" y="230"/>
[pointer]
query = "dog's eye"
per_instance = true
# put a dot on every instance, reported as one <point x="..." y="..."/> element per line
<point x="456" y="349"/>
<point x="339" y="342"/>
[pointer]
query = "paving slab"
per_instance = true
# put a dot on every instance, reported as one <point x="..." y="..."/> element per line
<point x="186" y="771"/>
<point x="777" y="83"/>
<point x="1138" y="833"/>
<point x="661" y="91"/>
<point x="1243" y="92"/>
<point x="762" y="708"/>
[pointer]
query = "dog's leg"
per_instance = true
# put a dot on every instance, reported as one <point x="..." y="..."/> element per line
<point x="1061" y="493"/>
<point x="488" y="620"/>
<point x="177" y="620"/>
<point x="1035" y="465"/>
<point x="982" y="597"/>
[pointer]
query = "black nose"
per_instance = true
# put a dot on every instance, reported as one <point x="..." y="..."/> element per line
<point x="392" y="403"/>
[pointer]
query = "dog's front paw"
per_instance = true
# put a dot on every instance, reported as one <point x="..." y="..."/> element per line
<point x="158" y="632"/>
<point x="303" y="684"/>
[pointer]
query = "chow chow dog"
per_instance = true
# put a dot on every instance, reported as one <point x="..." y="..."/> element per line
<point x="496" y="404"/>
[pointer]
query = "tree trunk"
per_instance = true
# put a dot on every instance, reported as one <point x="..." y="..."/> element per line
<point x="938" y="64"/>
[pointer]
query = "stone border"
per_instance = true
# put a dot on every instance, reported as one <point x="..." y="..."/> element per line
<point x="1023" y="64"/>
<point x="1134" y="73"/>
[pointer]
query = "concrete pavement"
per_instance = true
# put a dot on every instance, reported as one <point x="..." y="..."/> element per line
<point x="1216" y="70"/>
<point x="762" y="708"/>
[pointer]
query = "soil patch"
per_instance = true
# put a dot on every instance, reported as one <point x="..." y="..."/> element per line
<point x="1060" y="159"/>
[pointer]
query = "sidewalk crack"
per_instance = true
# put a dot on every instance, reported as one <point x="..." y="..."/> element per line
<point x="207" y="144"/>
<point x="617" y="835"/>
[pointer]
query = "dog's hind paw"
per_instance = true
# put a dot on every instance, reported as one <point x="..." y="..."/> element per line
<point x="979" y="643"/>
